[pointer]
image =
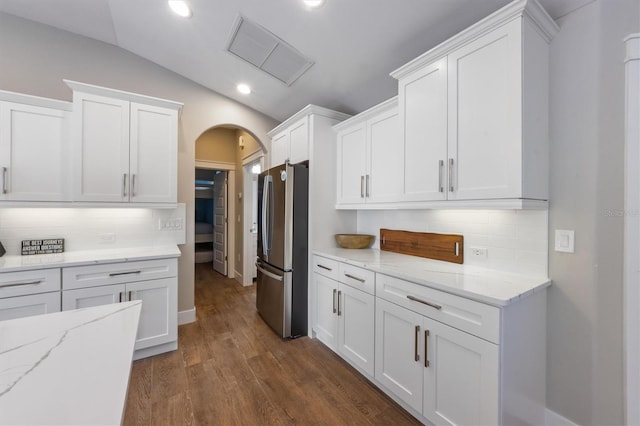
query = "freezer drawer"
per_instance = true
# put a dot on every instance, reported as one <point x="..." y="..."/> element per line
<point x="273" y="298"/>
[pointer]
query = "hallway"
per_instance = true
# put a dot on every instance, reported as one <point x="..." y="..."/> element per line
<point x="230" y="368"/>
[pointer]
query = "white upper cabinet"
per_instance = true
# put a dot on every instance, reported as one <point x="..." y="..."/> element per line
<point x="291" y="144"/>
<point x="124" y="146"/>
<point x="370" y="158"/>
<point x="474" y="114"/>
<point x="33" y="148"/>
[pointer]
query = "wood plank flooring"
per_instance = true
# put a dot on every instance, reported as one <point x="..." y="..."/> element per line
<point x="231" y="369"/>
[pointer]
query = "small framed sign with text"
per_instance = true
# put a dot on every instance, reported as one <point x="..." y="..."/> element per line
<point x="43" y="246"/>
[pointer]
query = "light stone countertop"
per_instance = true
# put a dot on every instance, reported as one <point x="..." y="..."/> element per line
<point x="67" y="368"/>
<point x="483" y="285"/>
<point x="86" y="257"/>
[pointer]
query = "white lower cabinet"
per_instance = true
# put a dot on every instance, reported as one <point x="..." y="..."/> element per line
<point x="344" y="320"/>
<point x="26" y="306"/>
<point x="153" y="281"/>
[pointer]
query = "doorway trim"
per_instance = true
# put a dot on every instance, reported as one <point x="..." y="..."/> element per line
<point x="248" y="256"/>
<point x="231" y="207"/>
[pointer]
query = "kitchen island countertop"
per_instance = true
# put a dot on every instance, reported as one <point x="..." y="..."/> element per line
<point x="69" y="367"/>
<point x="483" y="285"/>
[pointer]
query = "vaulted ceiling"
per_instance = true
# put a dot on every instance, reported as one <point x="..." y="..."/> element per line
<point x="353" y="44"/>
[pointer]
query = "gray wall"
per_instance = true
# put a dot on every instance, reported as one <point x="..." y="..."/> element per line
<point x="34" y="59"/>
<point x="585" y="374"/>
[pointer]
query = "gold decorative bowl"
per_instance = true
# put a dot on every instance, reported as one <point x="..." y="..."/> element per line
<point x="354" y="241"/>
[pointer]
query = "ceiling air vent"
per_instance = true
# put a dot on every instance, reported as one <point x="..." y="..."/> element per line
<point x="259" y="47"/>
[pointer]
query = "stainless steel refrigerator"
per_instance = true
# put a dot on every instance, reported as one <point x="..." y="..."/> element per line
<point x="281" y="293"/>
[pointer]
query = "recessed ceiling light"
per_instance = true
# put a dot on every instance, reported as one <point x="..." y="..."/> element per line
<point x="313" y="3"/>
<point x="180" y="8"/>
<point x="244" y="88"/>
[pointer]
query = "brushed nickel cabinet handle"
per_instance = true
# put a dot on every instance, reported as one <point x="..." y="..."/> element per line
<point x="324" y="267"/>
<point x="451" y="188"/>
<point x="339" y="311"/>
<point x="115" y="274"/>
<point x="416" y="337"/>
<point x="20" y="284"/>
<point x="368" y="187"/>
<point x="4" y="180"/>
<point x="424" y="302"/>
<point x="334" y="300"/>
<point x="124" y="185"/>
<point x="426" y="347"/>
<point x="120" y="297"/>
<point x="361" y="186"/>
<point x="354" y="277"/>
<point x="130" y="295"/>
<point x="440" y="169"/>
<point x="133" y="185"/>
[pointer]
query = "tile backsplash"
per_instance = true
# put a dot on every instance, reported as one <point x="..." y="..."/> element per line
<point x="89" y="228"/>
<point x="516" y="240"/>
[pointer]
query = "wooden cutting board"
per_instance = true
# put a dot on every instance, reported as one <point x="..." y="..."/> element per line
<point x="447" y="247"/>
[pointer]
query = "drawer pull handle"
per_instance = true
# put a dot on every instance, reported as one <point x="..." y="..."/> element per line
<point x="355" y="278"/>
<point x="324" y="267"/>
<point x="416" y="355"/>
<point x="20" y="284"/>
<point x="424" y="302"/>
<point x="334" y="300"/>
<point x="115" y="274"/>
<point x="426" y="348"/>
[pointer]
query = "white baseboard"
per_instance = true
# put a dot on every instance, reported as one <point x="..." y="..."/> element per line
<point x="186" y="317"/>
<point x="554" y="419"/>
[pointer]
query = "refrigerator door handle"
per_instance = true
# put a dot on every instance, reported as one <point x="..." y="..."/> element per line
<point x="271" y="212"/>
<point x="269" y="274"/>
<point x="265" y="219"/>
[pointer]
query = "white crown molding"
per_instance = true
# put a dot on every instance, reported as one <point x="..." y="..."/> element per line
<point x="307" y="111"/>
<point x="21" y="98"/>
<point x="389" y="104"/>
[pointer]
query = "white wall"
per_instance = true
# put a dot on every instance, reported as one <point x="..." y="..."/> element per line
<point x="584" y="329"/>
<point x="516" y="240"/>
<point x="35" y="58"/>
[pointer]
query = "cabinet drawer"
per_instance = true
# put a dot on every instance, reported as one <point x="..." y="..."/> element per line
<point x="327" y="267"/>
<point x="117" y="273"/>
<point x="27" y="306"/>
<point x="29" y="282"/>
<point x="473" y="317"/>
<point x="356" y="277"/>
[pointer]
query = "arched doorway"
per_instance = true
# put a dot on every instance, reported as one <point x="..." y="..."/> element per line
<point x="226" y="150"/>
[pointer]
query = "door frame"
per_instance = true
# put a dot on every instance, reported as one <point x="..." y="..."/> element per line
<point x="248" y="256"/>
<point x="230" y="168"/>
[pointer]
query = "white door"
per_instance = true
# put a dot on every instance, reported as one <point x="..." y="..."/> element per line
<point x="299" y="141"/>
<point x="220" y="222"/>
<point x="385" y="156"/>
<point x="461" y="381"/>
<point x="325" y="299"/>
<point x="356" y="320"/>
<point x="93" y="296"/>
<point x="352" y="151"/>
<point x="159" y="314"/>
<point x="154" y="161"/>
<point x="26" y="306"/>
<point x="280" y="149"/>
<point x="423" y="127"/>
<point x="100" y="148"/>
<point x="397" y="357"/>
<point x="485" y="119"/>
<point x="33" y="153"/>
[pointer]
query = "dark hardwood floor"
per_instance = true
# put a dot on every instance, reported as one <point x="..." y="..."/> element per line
<point x="231" y="369"/>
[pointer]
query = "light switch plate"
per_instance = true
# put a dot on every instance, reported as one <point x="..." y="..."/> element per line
<point x="565" y="240"/>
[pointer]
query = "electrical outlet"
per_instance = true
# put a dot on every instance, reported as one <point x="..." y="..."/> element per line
<point x="479" y="252"/>
<point x="171" y="224"/>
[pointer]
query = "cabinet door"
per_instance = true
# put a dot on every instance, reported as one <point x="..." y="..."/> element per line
<point x="422" y="101"/>
<point x="325" y="307"/>
<point x="100" y="148"/>
<point x="93" y="296"/>
<point x="461" y="381"/>
<point x="159" y="315"/>
<point x="485" y="116"/>
<point x="397" y="356"/>
<point x="385" y="157"/>
<point x="352" y="148"/>
<point x="279" y="149"/>
<point x="356" y="319"/>
<point x="153" y="149"/>
<point x="33" y="153"/>
<point x="299" y="141"/>
<point x="26" y="306"/>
